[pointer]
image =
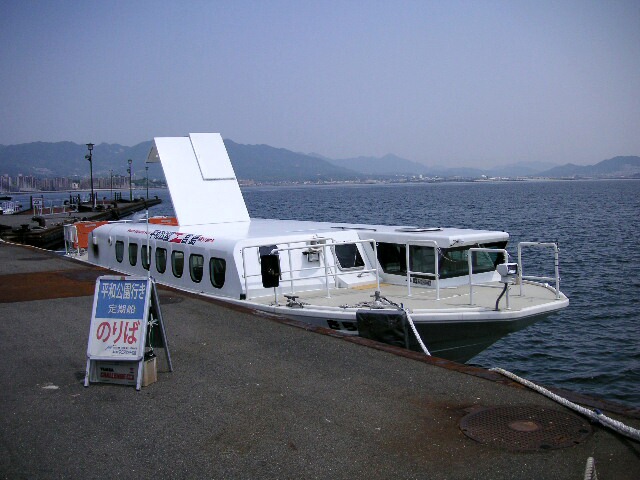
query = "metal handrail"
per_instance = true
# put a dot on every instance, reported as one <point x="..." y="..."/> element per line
<point x="470" y="263"/>
<point x="436" y="274"/>
<point x="555" y="278"/>
<point x="321" y="242"/>
<point x="71" y="238"/>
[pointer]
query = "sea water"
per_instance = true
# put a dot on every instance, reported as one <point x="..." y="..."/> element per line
<point x="591" y="347"/>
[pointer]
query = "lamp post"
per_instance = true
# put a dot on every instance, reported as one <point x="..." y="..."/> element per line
<point x="147" y="170"/>
<point x="111" y="187"/>
<point x="90" y="158"/>
<point x="129" y="172"/>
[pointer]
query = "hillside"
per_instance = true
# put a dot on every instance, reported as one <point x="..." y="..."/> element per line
<point x="268" y="164"/>
<point x="616" y="167"/>
<point x="388" y="165"/>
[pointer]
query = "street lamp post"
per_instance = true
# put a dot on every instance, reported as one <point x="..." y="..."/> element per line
<point x="147" y="170"/>
<point x="129" y="172"/>
<point x="90" y="158"/>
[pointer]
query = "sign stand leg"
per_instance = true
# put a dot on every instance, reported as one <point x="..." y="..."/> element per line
<point x="87" y="373"/>
<point x="156" y="306"/>
<point x="140" y="368"/>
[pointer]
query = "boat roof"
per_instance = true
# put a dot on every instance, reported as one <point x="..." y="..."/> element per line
<point x="259" y="230"/>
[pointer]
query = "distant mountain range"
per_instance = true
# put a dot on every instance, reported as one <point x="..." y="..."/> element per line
<point x="263" y="163"/>
<point x="628" y="166"/>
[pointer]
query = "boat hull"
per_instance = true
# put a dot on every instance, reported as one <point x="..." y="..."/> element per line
<point x="460" y="342"/>
<point x="457" y="341"/>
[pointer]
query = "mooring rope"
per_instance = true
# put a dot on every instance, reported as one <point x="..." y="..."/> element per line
<point x="595" y="415"/>
<point x="381" y="302"/>
<point x="590" y="470"/>
<point x="415" y="332"/>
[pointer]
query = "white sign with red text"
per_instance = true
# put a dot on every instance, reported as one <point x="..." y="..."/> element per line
<point x="119" y="319"/>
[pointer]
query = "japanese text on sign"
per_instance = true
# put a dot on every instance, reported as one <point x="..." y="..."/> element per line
<point x="122" y="299"/>
<point x="117" y="325"/>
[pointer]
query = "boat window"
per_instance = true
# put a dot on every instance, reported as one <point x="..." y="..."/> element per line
<point x="145" y="256"/>
<point x="348" y="256"/>
<point x="392" y="258"/>
<point x="119" y="250"/>
<point x="217" y="269"/>
<point x="177" y="263"/>
<point x="196" y="263"/>
<point x="421" y="259"/>
<point x="133" y="254"/>
<point x="161" y="260"/>
<point x="452" y="262"/>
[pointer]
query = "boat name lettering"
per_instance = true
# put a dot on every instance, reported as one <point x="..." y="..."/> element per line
<point x="176" y="237"/>
<point x="421" y="281"/>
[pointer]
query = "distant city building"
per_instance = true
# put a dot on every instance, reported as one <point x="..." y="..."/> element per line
<point x="30" y="183"/>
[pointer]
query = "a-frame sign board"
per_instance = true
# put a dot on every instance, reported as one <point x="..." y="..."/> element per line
<point x="125" y="311"/>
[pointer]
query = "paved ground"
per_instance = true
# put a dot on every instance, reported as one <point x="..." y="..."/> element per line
<point x="250" y="397"/>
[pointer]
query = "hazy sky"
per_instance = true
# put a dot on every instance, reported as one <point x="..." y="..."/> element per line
<point x="443" y="82"/>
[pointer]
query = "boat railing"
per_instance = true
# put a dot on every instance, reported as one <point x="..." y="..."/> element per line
<point x="71" y="244"/>
<point x="435" y="274"/>
<point x="320" y="245"/>
<point x="555" y="278"/>
<point x="470" y="263"/>
<point x="42" y="207"/>
<point x="75" y="243"/>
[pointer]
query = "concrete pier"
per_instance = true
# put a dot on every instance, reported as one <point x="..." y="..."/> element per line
<point x="47" y="230"/>
<point x="252" y="397"/>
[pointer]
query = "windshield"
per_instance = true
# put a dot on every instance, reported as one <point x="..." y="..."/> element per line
<point x="452" y="262"/>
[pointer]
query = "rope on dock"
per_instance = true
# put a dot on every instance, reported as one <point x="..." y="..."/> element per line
<point x="590" y="470"/>
<point x="595" y="415"/>
<point x="415" y="332"/>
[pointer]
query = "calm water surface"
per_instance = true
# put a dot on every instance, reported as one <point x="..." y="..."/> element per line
<point x="591" y="347"/>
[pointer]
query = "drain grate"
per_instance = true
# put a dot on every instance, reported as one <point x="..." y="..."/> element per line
<point x="525" y="428"/>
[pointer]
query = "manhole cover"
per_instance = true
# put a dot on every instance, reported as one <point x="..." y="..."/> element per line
<point x="525" y="428"/>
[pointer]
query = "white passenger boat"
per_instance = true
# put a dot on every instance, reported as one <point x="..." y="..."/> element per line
<point x="455" y="286"/>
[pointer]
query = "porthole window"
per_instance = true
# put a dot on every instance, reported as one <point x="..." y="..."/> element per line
<point x="161" y="260"/>
<point x="119" y="250"/>
<point x="145" y="256"/>
<point x="196" y="265"/>
<point x="177" y="263"/>
<point x="133" y="254"/>
<point x="217" y="270"/>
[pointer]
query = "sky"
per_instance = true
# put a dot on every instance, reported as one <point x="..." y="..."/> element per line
<point x="446" y="83"/>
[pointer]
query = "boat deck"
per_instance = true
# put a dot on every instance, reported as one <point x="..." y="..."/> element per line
<point x="484" y="297"/>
